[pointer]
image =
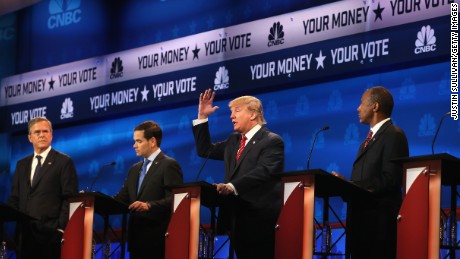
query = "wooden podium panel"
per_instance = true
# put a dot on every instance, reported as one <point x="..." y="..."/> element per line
<point x="296" y="219"/>
<point x="79" y="231"/>
<point x="72" y="247"/>
<point x="419" y="217"/>
<point x="295" y="229"/>
<point x="416" y="200"/>
<point x="182" y="236"/>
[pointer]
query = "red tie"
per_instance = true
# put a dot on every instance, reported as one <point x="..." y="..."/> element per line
<point x="242" y="145"/>
<point x="368" y="138"/>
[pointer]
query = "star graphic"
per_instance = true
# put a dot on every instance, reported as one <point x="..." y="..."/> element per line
<point x="144" y="94"/>
<point x="51" y="83"/>
<point x="195" y="52"/>
<point x="378" y="12"/>
<point x="320" y="59"/>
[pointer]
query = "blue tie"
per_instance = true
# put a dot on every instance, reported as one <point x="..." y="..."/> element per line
<point x="143" y="173"/>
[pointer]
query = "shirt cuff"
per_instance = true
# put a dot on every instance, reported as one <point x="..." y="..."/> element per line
<point x="199" y="121"/>
<point x="233" y="188"/>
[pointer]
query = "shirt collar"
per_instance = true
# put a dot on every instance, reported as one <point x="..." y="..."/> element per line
<point x="252" y="132"/>
<point x="378" y="126"/>
<point x="154" y="155"/>
<point x="44" y="154"/>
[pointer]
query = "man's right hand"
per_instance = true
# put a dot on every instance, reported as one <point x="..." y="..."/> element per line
<point x="205" y="107"/>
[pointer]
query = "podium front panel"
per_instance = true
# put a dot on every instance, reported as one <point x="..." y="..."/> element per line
<point x="288" y="224"/>
<point x="413" y="216"/>
<point x="177" y="237"/>
<point x="294" y="236"/>
<point x="72" y="247"/>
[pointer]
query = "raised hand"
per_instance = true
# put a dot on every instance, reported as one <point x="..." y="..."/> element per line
<point x="205" y="107"/>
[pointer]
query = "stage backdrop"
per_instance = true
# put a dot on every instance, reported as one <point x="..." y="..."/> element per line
<point x="99" y="68"/>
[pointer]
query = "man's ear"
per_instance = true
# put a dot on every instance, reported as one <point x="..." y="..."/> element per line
<point x="154" y="141"/>
<point x="376" y="107"/>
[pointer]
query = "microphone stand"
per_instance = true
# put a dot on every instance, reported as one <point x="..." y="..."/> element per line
<point x="313" y="145"/>
<point x="97" y="176"/>
<point x="437" y="131"/>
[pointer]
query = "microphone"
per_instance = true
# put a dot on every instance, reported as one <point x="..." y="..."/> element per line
<point x="97" y="176"/>
<point x="204" y="163"/>
<point x="313" y="144"/>
<point x="437" y="131"/>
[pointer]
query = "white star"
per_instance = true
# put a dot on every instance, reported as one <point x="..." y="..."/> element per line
<point x="320" y="59"/>
<point x="144" y="94"/>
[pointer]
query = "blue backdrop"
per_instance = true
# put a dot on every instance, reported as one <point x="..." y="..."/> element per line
<point x="92" y="28"/>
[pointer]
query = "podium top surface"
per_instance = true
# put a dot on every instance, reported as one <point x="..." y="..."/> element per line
<point x="441" y="156"/>
<point x="450" y="166"/>
<point x="8" y="213"/>
<point x="328" y="185"/>
<point x="208" y="193"/>
<point x="103" y="203"/>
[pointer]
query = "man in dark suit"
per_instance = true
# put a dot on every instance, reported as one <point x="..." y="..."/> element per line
<point x="144" y="189"/>
<point x="372" y="224"/>
<point x="253" y="191"/>
<point x="41" y="184"/>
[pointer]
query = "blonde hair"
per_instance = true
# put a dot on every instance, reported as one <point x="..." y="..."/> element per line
<point x="253" y="104"/>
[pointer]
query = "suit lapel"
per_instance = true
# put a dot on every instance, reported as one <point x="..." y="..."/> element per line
<point x="374" y="140"/>
<point x="150" y="172"/>
<point x="254" y="140"/>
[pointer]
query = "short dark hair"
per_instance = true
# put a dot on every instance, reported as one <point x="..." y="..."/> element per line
<point x="35" y="120"/>
<point x="383" y="97"/>
<point x="151" y="130"/>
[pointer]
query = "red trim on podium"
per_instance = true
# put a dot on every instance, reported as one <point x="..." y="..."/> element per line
<point x="72" y="248"/>
<point x="288" y="225"/>
<point x="178" y="239"/>
<point x="414" y="216"/>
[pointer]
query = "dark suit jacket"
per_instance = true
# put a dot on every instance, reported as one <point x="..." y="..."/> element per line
<point x="372" y="224"/>
<point x="47" y="199"/>
<point x="146" y="230"/>
<point x="258" y="202"/>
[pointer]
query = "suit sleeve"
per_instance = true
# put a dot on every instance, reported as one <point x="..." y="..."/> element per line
<point x="69" y="187"/>
<point x="13" y="200"/>
<point x="123" y="194"/>
<point x="204" y="146"/>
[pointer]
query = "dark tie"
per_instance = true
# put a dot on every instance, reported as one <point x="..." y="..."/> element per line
<point x="143" y="173"/>
<point x="37" y="169"/>
<point x="368" y="138"/>
<point x="242" y="145"/>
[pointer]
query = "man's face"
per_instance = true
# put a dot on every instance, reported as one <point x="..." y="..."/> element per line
<point x="143" y="147"/>
<point x="243" y="120"/>
<point x="40" y="136"/>
<point x="365" y="109"/>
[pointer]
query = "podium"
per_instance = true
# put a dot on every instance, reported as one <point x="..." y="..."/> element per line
<point x="419" y="218"/>
<point x="9" y="214"/>
<point x="78" y="235"/>
<point x="295" y="228"/>
<point x="182" y="236"/>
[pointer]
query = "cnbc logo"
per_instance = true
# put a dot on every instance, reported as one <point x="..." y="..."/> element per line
<point x="67" y="109"/>
<point x="222" y="79"/>
<point x="116" y="71"/>
<point x="7" y="28"/>
<point x="63" y="13"/>
<point x="426" y="41"/>
<point x="276" y="36"/>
